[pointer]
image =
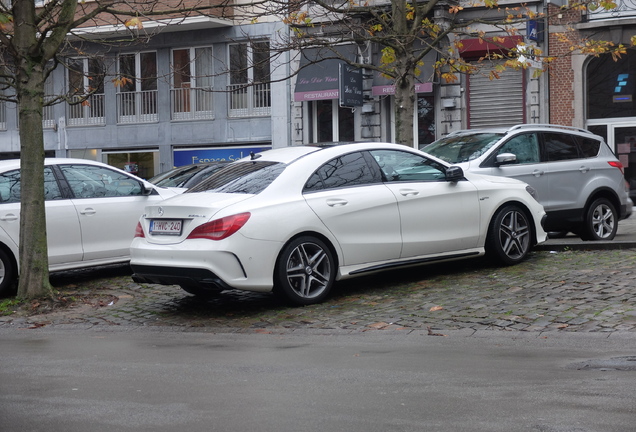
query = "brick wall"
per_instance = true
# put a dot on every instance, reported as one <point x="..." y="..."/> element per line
<point x="561" y="78"/>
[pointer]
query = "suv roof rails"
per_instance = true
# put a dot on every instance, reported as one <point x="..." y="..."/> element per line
<point x="547" y="125"/>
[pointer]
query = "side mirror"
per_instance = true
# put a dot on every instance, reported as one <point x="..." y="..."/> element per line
<point x="506" y="159"/>
<point x="454" y="174"/>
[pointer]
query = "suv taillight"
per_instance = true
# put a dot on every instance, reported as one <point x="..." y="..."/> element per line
<point x="617" y="164"/>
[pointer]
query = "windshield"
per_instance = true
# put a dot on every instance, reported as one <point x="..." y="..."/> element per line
<point x="241" y="177"/>
<point x="176" y="177"/>
<point x="462" y="148"/>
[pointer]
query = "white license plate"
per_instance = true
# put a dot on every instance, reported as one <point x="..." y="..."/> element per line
<point x="165" y="226"/>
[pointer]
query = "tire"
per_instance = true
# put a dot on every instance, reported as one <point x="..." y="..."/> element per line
<point x="509" y="237"/>
<point x="305" y="271"/>
<point x="8" y="275"/>
<point x="601" y="221"/>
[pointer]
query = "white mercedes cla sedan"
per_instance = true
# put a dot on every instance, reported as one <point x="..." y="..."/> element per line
<point x="294" y="220"/>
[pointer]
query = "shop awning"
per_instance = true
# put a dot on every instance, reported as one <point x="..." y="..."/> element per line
<point x="476" y="48"/>
<point x="318" y="76"/>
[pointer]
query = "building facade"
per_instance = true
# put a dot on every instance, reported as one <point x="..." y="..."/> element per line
<point x="203" y="89"/>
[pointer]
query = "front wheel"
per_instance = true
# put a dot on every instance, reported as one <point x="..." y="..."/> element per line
<point x="8" y="275"/>
<point x="601" y="221"/>
<point x="305" y="271"/>
<point x="509" y="236"/>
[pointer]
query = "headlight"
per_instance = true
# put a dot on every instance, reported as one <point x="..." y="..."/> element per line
<point x="533" y="192"/>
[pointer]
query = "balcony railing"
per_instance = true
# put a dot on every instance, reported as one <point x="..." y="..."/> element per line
<point x="48" y="117"/>
<point x="247" y="101"/>
<point x="191" y="103"/>
<point x="87" y="113"/>
<point x="137" y="107"/>
<point x="623" y="9"/>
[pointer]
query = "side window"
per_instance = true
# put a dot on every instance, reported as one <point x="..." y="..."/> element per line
<point x="589" y="147"/>
<point x="560" y="147"/>
<point x="405" y="166"/>
<point x="10" y="186"/>
<point x="524" y="146"/>
<point x="348" y="170"/>
<point x="89" y="181"/>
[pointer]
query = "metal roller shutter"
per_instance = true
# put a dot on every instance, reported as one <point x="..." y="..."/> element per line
<point x="498" y="102"/>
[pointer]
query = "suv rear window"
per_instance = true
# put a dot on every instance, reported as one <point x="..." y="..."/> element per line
<point x="560" y="147"/>
<point x="589" y="147"/>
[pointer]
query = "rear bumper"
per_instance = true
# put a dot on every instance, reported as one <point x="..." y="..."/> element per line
<point x="189" y="277"/>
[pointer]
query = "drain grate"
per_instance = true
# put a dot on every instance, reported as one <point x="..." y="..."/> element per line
<point x="627" y="363"/>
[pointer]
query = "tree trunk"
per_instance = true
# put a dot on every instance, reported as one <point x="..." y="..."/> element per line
<point x="33" y="259"/>
<point x="404" y="109"/>
<point x="34" y="262"/>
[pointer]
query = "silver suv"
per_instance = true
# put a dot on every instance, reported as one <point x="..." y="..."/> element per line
<point x="578" y="179"/>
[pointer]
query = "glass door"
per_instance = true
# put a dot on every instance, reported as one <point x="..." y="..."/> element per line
<point x="622" y="139"/>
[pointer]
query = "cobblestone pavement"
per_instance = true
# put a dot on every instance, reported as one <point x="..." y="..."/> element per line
<point x="553" y="291"/>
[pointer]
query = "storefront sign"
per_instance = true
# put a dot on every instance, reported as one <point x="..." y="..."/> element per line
<point x="350" y="90"/>
<point x="384" y="90"/>
<point x="192" y="156"/>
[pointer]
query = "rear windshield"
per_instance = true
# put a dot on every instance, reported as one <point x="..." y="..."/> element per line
<point x="250" y="177"/>
<point x="462" y="148"/>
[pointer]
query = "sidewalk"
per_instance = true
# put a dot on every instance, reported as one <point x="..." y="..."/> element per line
<point x="625" y="239"/>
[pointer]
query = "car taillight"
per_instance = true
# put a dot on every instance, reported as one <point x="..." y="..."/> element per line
<point x="139" y="231"/>
<point x="617" y="164"/>
<point x="220" y="228"/>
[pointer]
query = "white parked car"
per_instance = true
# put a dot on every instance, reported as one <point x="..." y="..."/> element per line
<point x="297" y="219"/>
<point x="91" y="212"/>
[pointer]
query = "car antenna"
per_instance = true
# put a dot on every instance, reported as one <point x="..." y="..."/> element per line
<point x="254" y="156"/>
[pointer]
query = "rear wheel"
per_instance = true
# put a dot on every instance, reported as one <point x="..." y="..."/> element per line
<point x="509" y="236"/>
<point x="601" y="221"/>
<point x="8" y="275"/>
<point x="305" y="271"/>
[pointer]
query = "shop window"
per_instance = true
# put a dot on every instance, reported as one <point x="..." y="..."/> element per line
<point x="331" y="123"/>
<point x="611" y="84"/>
<point x="142" y="164"/>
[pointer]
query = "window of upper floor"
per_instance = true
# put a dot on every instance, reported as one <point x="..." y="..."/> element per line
<point x="249" y="75"/>
<point x="192" y="83"/>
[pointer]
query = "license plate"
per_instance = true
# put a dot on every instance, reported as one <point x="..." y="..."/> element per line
<point x="166" y="227"/>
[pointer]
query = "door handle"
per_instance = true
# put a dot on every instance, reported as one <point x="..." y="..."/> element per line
<point x="584" y="169"/>
<point x="9" y="217"/>
<point x="88" y="211"/>
<point x="337" y="202"/>
<point x="537" y="173"/>
<point x="409" y="192"/>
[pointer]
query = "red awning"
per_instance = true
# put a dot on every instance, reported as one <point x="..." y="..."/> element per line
<point x="473" y="48"/>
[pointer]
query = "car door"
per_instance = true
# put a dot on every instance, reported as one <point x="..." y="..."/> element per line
<point x="108" y="204"/>
<point x="568" y="171"/>
<point x="529" y="166"/>
<point x="436" y="216"/>
<point x="360" y="212"/>
<point x="62" y="224"/>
